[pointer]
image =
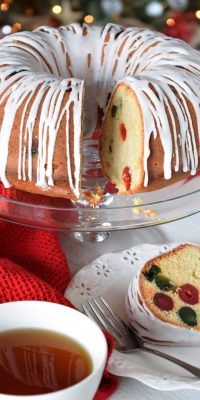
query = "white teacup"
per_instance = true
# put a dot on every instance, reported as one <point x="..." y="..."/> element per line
<point x="66" y="321"/>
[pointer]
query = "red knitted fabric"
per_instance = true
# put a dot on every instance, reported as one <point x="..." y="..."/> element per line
<point x="33" y="267"/>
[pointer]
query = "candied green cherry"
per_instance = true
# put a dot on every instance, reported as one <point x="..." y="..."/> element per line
<point x="114" y="110"/>
<point x="188" y="316"/>
<point x="164" y="283"/>
<point x="116" y="107"/>
<point x="152" y="272"/>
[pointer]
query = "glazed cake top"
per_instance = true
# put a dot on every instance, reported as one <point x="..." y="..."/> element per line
<point x="47" y="63"/>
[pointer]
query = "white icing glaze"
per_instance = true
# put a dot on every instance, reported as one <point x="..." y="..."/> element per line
<point x="150" y="328"/>
<point x="163" y="72"/>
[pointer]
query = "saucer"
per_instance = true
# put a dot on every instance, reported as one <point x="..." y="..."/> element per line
<point x="110" y="276"/>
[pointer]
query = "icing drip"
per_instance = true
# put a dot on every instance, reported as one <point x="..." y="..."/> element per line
<point x="46" y="71"/>
<point x="50" y="91"/>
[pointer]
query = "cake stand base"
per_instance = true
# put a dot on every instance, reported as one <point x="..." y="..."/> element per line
<point x="95" y="237"/>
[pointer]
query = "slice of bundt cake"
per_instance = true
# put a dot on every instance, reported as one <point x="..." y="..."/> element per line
<point x="170" y="285"/>
<point x="164" y="301"/>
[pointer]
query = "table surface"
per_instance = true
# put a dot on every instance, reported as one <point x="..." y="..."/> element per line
<point x="80" y="254"/>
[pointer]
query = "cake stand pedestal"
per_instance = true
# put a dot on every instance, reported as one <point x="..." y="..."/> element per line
<point x="95" y="237"/>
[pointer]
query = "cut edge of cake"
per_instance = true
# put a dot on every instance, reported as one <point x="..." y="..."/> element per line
<point x="119" y="140"/>
<point x="132" y="160"/>
<point x="141" y="282"/>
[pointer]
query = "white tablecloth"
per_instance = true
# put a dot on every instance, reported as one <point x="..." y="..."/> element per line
<point x="80" y="254"/>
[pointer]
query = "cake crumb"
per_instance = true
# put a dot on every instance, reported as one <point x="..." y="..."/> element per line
<point x="150" y="213"/>
<point x="137" y="201"/>
<point x="90" y="218"/>
<point x="94" y="197"/>
<point x="137" y="210"/>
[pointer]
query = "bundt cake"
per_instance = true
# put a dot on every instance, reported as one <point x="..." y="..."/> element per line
<point x="163" y="301"/>
<point x="145" y="84"/>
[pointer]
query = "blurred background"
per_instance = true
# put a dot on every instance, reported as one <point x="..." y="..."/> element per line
<point x="176" y="18"/>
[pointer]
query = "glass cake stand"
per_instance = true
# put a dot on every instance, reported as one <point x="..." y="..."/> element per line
<point x="87" y="220"/>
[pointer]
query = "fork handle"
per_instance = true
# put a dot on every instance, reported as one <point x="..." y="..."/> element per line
<point x="188" y="367"/>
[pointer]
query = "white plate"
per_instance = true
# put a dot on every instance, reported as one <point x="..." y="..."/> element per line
<point x="109" y="276"/>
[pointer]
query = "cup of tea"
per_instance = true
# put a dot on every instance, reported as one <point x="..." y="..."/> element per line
<point x="49" y="351"/>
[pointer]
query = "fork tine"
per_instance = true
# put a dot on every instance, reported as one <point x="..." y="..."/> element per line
<point x="90" y="313"/>
<point x="100" y="319"/>
<point x="106" y="319"/>
<point x="116" y="319"/>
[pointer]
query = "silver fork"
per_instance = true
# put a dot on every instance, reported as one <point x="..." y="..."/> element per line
<point x="126" y="341"/>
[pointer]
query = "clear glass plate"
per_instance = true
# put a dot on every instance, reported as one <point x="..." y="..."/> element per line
<point x="114" y="212"/>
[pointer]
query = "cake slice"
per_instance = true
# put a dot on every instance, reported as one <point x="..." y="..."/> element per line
<point x="163" y="300"/>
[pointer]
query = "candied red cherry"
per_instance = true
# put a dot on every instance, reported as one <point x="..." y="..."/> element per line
<point x="123" y="131"/>
<point x="126" y="176"/>
<point x="189" y="294"/>
<point x="111" y="188"/>
<point x="163" y="301"/>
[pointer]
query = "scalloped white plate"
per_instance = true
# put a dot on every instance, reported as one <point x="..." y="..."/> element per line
<point x="109" y="276"/>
